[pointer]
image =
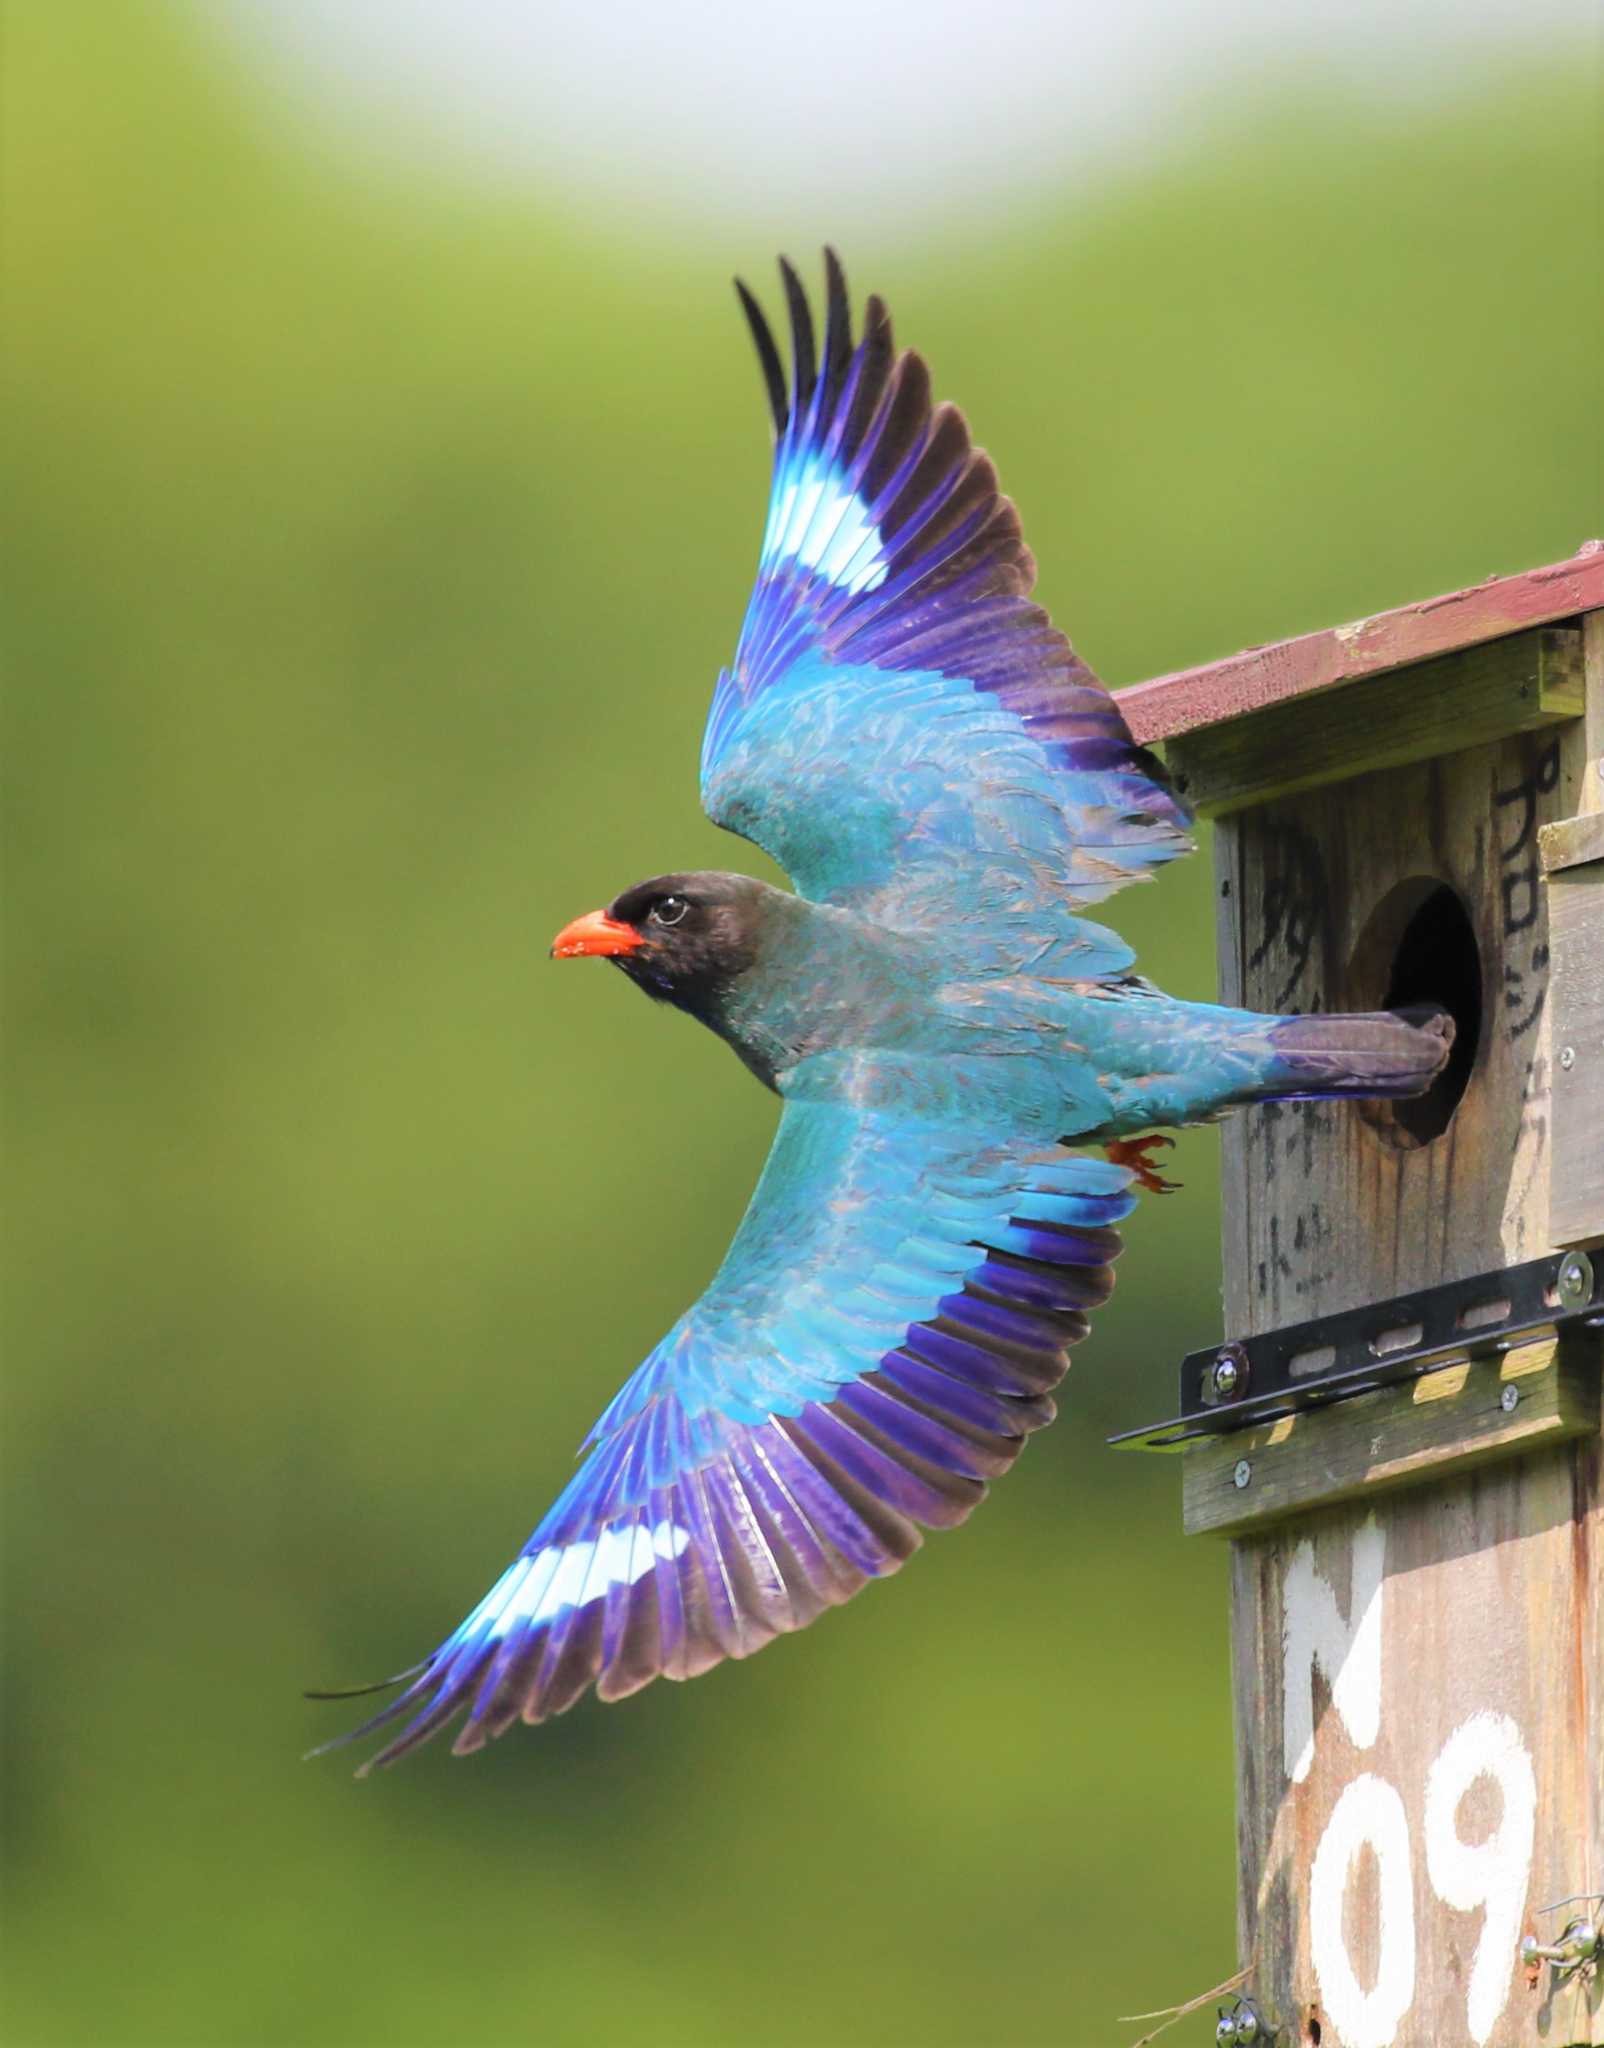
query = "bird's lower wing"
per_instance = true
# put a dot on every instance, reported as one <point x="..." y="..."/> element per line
<point x="884" y="1334"/>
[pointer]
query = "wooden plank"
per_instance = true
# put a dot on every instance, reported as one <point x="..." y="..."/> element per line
<point x="1329" y="1205"/>
<point x="1193" y="698"/>
<point x="1398" y="1436"/>
<point x="1516" y="684"/>
<point x="1572" y="842"/>
<point x="1576" y="1167"/>
<point x="1573" y="854"/>
<point x="1588" y="1481"/>
<point x="1418" y="1692"/>
<point x="1592" y="792"/>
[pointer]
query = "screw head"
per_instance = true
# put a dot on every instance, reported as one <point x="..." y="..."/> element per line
<point x="1243" y="1474"/>
<point x="1509" y="1400"/>
<point x="1247" y="2025"/>
<point x="1573" y="1283"/>
<point x="1567" y="1057"/>
<point x="1228" y="1375"/>
<point x="1225" y="2030"/>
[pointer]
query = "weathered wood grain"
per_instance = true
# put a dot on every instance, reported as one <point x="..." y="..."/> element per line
<point x="1587" y="1728"/>
<point x="1576" y="928"/>
<point x="1400" y="1436"/>
<point x="1329" y="1205"/>
<point x="1483" y="693"/>
<point x="1488" y="1618"/>
<point x="1573" y="856"/>
<point x="1418" y="1695"/>
<point x="1572" y="842"/>
<point x="1246" y="682"/>
<point x="1592" y="797"/>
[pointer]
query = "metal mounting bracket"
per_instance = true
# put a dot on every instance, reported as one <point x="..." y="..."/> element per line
<point x="1335" y="1357"/>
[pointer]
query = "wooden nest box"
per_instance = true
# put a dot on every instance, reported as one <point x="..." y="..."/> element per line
<point x="1402" y="1437"/>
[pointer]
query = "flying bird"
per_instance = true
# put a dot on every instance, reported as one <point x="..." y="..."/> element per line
<point x="950" y="789"/>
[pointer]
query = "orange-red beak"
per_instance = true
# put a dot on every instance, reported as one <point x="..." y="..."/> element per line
<point x="595" y="933"/>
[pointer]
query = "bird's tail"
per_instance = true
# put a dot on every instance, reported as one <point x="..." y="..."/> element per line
<point x="1370" y="1052"/>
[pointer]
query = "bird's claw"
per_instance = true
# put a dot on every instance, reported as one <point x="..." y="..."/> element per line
<point x="1132" y="1152"/>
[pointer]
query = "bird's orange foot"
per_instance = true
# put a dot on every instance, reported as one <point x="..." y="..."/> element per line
<point x="1132" y="1152"/>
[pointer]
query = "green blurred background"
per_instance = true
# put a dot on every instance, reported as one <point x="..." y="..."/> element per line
<point x="373" y="540"/>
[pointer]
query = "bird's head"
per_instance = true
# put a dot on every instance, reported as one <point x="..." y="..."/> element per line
<point x="682" y="938"/>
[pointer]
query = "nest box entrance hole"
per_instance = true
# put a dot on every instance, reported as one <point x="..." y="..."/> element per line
<point x="1419" y="948"/>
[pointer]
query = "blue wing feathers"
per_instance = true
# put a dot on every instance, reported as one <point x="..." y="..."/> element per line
<point x="890" y="553"/>
<point x="699" y="1527"/>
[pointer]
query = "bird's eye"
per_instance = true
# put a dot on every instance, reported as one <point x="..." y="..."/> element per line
<point x="671" y="910"/>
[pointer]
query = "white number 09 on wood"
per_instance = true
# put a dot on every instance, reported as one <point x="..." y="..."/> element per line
<point x="1396" y="1824"/>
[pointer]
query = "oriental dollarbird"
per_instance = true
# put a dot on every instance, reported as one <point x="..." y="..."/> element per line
<point x="950" y="789"/>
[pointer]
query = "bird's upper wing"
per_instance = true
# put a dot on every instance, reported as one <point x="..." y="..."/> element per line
<point x="880" y="1339"/>
<point x="903" y="728"/>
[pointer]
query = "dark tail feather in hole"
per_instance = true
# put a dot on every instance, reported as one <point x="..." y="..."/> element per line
<point x="1374" y="1052"/>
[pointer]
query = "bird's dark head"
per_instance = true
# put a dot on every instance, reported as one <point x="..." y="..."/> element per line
<point x="682" y="938"/>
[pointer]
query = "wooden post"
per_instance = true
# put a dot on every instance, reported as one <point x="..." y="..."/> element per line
<point x="1417" y="1586"/>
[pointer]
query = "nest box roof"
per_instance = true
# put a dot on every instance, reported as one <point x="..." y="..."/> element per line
<point x="1194" y="698"/>
<point x="1409" y="685"/>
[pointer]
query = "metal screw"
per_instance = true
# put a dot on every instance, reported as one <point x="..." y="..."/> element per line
<point x="1509" y="1400"/>
<point x="1240" y="2026"/>
<point x="1573" y="1283"/>
<point x="1579" y="1944"/>
<point x="1228" y="1375"/>
<point x="1242" y="1475"/>
<point x="1567" y="1057"/>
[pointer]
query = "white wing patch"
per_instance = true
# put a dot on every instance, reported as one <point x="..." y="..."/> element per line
<point x="538" y="1588"/>
<point x="816" y="521"/>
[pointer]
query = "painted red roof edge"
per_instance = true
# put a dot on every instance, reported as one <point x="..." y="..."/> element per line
<point x="1196" y="697"/>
